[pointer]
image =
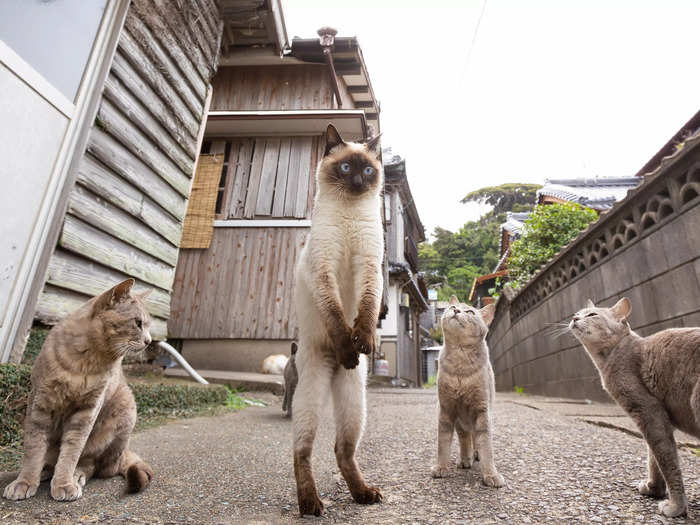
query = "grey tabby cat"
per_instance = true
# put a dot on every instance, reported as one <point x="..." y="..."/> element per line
<point x="656" y="379"/>
<point x="80" y="411"/>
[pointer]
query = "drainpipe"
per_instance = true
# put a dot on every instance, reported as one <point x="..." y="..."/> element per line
<point x="327" y="38"/>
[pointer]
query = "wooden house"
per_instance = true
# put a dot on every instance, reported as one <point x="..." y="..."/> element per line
<point x="233" y="296"/>
<point x="407" y="294"/>
<point x="99" y="133"/>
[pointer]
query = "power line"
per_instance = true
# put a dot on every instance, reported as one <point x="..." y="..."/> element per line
<point x="473" y="43"/>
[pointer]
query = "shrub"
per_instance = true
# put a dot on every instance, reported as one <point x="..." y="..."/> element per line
<point x="166" y="398"/>
<point x="549" y="228"/>
<point x="37" y="336"/>
<point x="14" y="391"/>
<point x="152" y="399"/>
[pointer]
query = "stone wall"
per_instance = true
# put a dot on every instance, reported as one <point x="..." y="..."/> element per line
<point x="646" y="248"/>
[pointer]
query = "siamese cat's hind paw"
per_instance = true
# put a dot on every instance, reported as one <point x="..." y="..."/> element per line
<point x="20" y="489"/>
<point x="368" y="496"/>
<point x="645" y="488"/>
<point x="310" y="505"/>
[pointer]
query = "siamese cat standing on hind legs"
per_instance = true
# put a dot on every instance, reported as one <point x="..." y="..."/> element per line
<point x="338" y="293"/>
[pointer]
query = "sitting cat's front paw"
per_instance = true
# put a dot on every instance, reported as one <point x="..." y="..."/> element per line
<point x="20" y="489"/>
<point x="494" y="480"/>
<point x="70" y="491"/>
<point x="672" y="509"/>
<point x="439" y="471"/>
<point x="653" y="491"/>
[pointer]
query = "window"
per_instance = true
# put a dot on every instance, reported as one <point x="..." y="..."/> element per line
<point x="55" y="38"/>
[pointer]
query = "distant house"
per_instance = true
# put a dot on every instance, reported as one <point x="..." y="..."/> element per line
<point x="407" y="293"/>
<point x="100" y="130"/>
<point x="599" y="193"/>
<point x="233" y="294"/>
<point x="510" y="231"/>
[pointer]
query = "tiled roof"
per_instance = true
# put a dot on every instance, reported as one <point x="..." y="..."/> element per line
<point x="515" y="222"/>
<point x="597" y="193"/>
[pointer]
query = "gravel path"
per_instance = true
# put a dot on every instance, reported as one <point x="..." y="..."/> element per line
<point x="237" y="468"/>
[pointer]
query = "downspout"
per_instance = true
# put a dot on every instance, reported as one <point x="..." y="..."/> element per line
<point x="327" y="38"/>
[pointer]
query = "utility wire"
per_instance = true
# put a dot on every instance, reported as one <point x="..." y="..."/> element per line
<point x="473" y="43"/>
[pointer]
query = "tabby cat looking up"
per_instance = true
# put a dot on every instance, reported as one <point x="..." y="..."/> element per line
<point x="80" y="411"/>
<point x="656" y="379"/>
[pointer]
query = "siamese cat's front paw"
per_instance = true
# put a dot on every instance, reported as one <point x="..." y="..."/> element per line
<point x="363" y="339"/>
<point x="66" y="491"/>
<point x="672" y="509"/>
<point x="653" y="491"/>
<point x="20" y="489"/>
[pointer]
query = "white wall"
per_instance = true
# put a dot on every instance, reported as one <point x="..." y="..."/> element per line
<point x="30" y="137"/>
<point x="390" y="326"/>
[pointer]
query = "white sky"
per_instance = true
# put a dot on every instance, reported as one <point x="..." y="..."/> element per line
<point x="552" y="88"/>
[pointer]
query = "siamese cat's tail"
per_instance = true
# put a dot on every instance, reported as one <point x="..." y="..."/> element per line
<point x="137" y="472"/>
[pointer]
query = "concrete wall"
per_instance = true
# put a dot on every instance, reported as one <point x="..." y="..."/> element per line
<point x="242" y="355"/>
<point x="647" y="249"/>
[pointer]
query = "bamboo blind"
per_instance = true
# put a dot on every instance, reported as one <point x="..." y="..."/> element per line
<point x="198" y="228"/>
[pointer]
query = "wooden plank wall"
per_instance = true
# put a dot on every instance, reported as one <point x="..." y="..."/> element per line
<point x="125" y="213"/>
<point x="240" y="288"/>
<point x="290" y="87"/>
<point x="269" y="177"/>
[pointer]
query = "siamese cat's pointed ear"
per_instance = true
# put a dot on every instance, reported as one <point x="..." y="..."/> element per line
<point x="589" y="304"/>
<point x="121" y="291"/>
<point x="487" y="313"/>
<point x="333" y="139"/>
<point x="373" y="144"/>
<point x="454" y="300"/>
<point x="622" y="309"/>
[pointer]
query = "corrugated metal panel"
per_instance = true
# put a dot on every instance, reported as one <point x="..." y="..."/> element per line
<point x="125" y="214"/>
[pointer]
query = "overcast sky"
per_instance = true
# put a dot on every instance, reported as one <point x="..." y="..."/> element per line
<point x="550" y="88"/>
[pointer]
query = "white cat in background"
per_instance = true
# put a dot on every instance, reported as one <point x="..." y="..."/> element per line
<point x="274" y="364"/>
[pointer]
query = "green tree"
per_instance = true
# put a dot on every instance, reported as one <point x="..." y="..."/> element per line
<point x="506" y="197"/>
<point x="548" y="229"/>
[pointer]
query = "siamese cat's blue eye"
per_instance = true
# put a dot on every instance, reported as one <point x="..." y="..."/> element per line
<point x="139" y="323"/>
<point x="369" y="170"/>
<point x="345" y="167"/>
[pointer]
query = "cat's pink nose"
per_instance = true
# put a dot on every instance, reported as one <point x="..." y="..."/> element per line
<point x="147" y="339"/>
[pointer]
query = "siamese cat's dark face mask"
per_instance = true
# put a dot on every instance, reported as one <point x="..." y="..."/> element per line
<point x="356" y="173"/>
<point x="351" y="167"/>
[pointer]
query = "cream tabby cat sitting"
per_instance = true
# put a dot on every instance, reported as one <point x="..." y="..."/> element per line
<point x="80" y="411"/>
<point x="656" y="379"/>
<point x="466" y="390"/>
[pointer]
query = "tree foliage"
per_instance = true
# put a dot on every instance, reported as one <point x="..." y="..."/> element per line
<point x="506" y="197"/>
<point x="548" y="229"/>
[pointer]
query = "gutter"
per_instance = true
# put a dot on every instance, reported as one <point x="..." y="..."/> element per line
<point x="327" y="38"/>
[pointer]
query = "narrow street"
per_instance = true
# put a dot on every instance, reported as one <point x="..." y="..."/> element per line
<point x="237" y="468"/>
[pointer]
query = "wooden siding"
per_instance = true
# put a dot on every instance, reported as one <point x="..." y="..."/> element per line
<point x="240" y="288"/>
<point x="268" y="177"/>
<point x="125" y="213"/>
<point x="290" y="87"/>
